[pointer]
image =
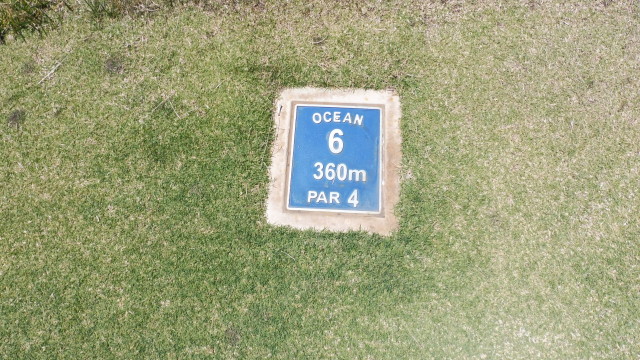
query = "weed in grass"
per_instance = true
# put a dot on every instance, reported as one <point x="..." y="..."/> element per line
<point x="28" y="67"/>
<point x="18" y="16"/>
<point x="99" y="9"/>
<point x="114" y="8"/>
<point x="232" y="335"/>
<point x="16" y="118"/>
<point x="114" y="65"/>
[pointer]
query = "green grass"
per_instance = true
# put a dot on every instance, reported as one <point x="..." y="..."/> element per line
<point x="134" y="176"/>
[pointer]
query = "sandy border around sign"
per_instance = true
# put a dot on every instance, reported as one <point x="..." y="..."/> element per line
<point x="384" y="223"/>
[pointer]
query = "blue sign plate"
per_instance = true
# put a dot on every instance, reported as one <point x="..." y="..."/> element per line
<point x="335" y="159"/>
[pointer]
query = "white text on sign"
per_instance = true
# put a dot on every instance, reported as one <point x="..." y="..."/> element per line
<point x="338" y="172"/>
<point x="337" y="117"/>
<point x="320" y="197"/>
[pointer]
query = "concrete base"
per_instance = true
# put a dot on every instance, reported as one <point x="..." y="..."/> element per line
<point x="277" y="212"/>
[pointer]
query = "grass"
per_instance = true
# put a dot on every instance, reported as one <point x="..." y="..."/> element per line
<point x="134" y="175"/>
<point x="19" y="16"/>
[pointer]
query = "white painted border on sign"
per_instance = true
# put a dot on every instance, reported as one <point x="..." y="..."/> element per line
<point x="380" y="156"/>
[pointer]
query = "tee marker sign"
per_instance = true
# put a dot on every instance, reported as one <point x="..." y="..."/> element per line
<point x="335" y="160"/>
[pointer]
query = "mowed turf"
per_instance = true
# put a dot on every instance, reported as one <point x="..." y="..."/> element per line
<point x="134" y="160"/>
